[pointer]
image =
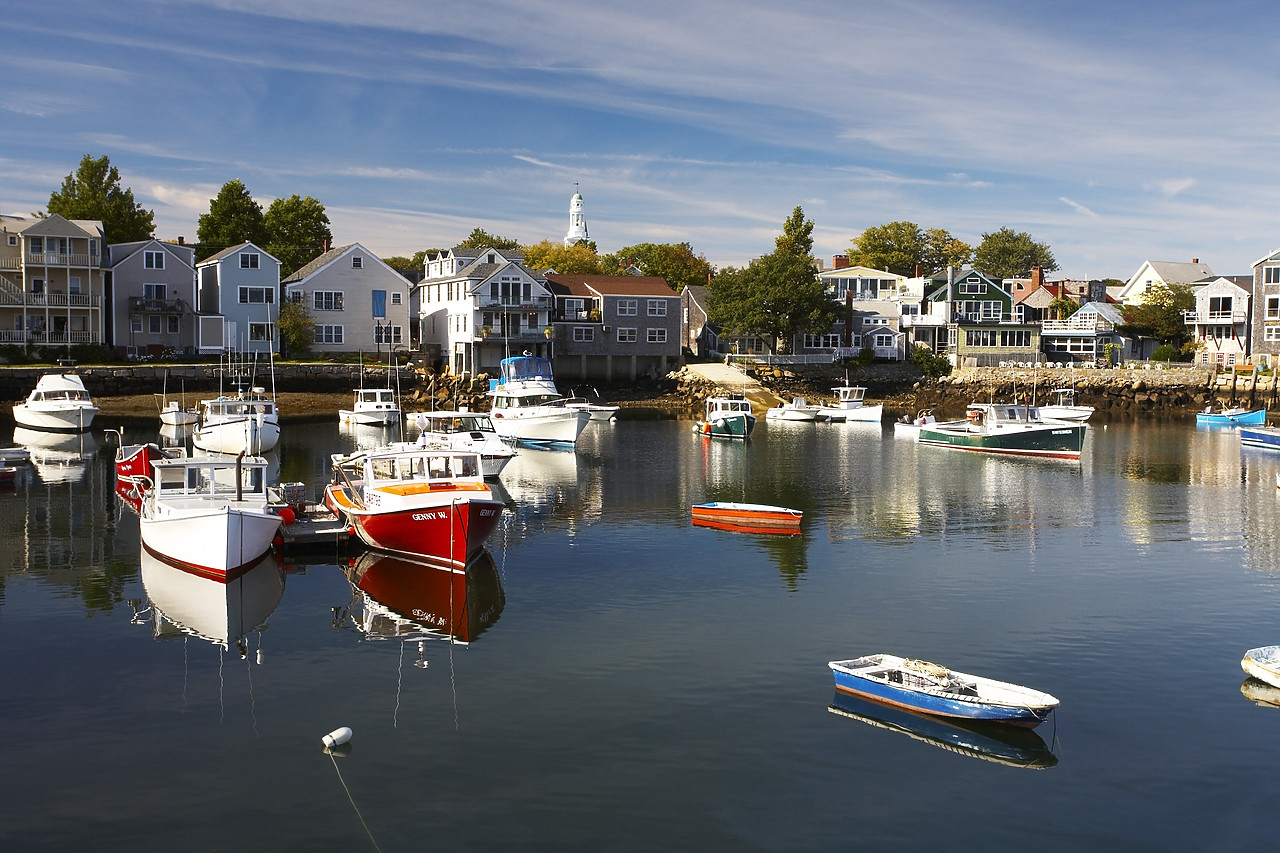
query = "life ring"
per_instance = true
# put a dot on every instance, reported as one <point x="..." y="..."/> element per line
<point x="497" y="414"/>
<point x="975" y="417"/>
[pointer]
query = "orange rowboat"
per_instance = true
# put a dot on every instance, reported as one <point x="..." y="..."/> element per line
<point x="747" y="518"/>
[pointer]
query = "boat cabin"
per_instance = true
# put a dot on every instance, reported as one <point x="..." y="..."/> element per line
<point x="402" y="472"/>
<point x="210" y="477"/>
<point x="376" y="398"/>
<point x="453" y="422"/>
<point x="850" y="393"/>
<point x="734" y="403"/>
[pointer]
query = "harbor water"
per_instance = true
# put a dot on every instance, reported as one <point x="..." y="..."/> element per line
<point x="610" y="677"/>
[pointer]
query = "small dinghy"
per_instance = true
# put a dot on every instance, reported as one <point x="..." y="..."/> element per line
<point x="1263" y="664"/>
<point x="933" y="689"/>
<point x="747" y="518"/>
<point x="1231" y="417"/>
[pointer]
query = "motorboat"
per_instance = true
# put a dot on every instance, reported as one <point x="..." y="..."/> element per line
<point x="58" y="403"/>
<point x="1231" y="417"/>
<point x="209" y="515"/>
<point x="242" y="423"/>
<point x="372" y="407"/>
<point x="727" y="417"/>
<point x="1012" y="746"/>
<point x="527" y="408"/>
<point x="850" y="405"/>
<point x="600" y="412"/>
<point x="797" y="409"/>
<point x="909" y="427"/>
<point x="405" y="598"/>
<point x="1267" y="437"/>
<point x="175" y="412"/>
<point x="133" y="464"/>
<point x="1011" y="428"/>
<point x="933" y="689"/>
<point x="1263" y="663"/>
<point x="423" y="502"/>
<point x="465" y="430"/>
<point x="746" y="517"/>
<point x="1064" y="407"/>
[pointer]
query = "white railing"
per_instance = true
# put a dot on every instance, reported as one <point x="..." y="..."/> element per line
<point x="55" y="259"/>
<point x="826" y="358"/>
<point x="1076" y="324"/>
<point x="1192" y="318"/>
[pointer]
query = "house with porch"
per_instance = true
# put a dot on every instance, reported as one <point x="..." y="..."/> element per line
<point x="52" y="281"/>
<point x="357" y="303"/>
<point x="151" y="286"/>
<point x="612" y="327"/>
<point x="237" y="301"/>
<point x="1222" y="323"/>
<point x="476" y="306"/>
<point x="1084" y="336"/>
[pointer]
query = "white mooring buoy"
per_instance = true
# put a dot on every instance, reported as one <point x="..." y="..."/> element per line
<point x="336" y="737"/>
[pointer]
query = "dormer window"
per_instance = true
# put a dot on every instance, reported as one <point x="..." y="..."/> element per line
<point x="153" y="260"/>
<point x="357" y="262"/>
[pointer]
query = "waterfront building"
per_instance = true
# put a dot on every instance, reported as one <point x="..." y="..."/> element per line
<point x="151" y="286"/>
<point x="1152" y="273"/>
<point x="236" y="297"/>
<point x="1265" y="333"/>
<point x="357" y="302"/>
<point x="614" y="326"/>
<point x="1221" y="322"/>
<point x="52" y="281"/>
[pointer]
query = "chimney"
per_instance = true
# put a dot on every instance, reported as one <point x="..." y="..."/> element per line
<point x="839" y="262"/>
<point x="1195" y="260"/>
<point x="919" y="271"/>
<point x="182" y="241"/>
<point x="1037" y="277"/>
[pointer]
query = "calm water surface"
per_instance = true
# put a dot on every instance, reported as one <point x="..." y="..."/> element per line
<point x="621" y="680"/>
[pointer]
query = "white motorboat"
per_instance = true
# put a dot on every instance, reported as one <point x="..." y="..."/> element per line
<point x="465" y="430"/>
<point x="598" y="411"/>
<point x="58" y="403"/>
<point x="175" y="412"/>
<point x="372" y="407"/>
<point x="796" y="410"/>
<point x="1263" y="664"/>
<point x="850" y="405"/>
<point x="244" y="423"/>
<point x="528" y="409"/>
<point x="209" y="515"/>
<point x="1064" y="407"/>
<point x="909" y="427"/>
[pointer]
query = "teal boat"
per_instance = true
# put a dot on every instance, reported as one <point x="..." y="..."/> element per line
<point x="727" y="417"/>
<point x="1011" y="429"/>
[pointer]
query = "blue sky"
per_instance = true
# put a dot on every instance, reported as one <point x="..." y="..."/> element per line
<point x="1114" y="132"/>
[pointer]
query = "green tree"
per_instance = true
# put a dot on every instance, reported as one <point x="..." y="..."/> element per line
<point x="796" y="237"/>
<point x="675" y="262"/>
<point x="233" y="218"/>
<point x="900" y="247"/>
<point x="578" y="259"/>
<point x="296" y="328"/>
<point x="1009" y="254"/>
<point x="482" y="239"/>
<point x="930" y="363"/>
<point x="776" y="298"/>
<point x="297" y="230"/>
<point x="1063" y="307"/>
<point x="93" y="192"/>
<point x="1159" y="315"/>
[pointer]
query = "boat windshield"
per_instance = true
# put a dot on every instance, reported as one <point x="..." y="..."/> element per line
<point x="423" y="466"/>
<point x="525" y="367"/>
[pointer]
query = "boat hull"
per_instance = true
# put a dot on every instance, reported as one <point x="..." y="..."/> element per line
<point x="853" y="413"/>
<point x="1062" y="440"/>
<point x="48" y="418"/>
<point x="1257" y="417"/>
<point x="540" y="425"/>
<point x="1066" y="413"/>
<point x="731" y="425"/>
<point x="247" y="434"/>
<point x="215" y="542"/>
<point x="1030" y="708"/>
<point x="1260" y="436"/>
<point x="1263" y="664"/>
<point x="748" y="515"/>
<point x="448" y="532"/>
<point x="379" y="417"/>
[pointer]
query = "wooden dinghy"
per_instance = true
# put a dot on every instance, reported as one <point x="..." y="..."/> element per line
<point x="1263" y="664"/>
<point x="747" y="518"/>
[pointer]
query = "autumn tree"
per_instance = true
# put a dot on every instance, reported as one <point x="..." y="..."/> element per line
<point x="675" y="262"/>
<point x="233" y="218"/>
<point x="1159" y="314"/>
<point x="93" y="192"/>
<point x="482" y="239"/>
<point x="900" y="247"/>
<point x="297" y="230"/>
<point x="578" y="259"/>
<point x="297" y="329"/>
<point x="1012" y="254"/>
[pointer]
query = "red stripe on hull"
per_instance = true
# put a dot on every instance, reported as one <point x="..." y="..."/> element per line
<point x="206" y="571"/>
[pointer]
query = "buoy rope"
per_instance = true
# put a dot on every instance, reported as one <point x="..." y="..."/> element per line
<point x="354" y="807"/>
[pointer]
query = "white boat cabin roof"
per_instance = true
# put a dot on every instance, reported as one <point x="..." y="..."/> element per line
<point x="453" y="421"/>
<point x="238" y="405"/>
<point x="210" y="477"/>
<point x="419" y="464"/>
<point x="849" y="393"/>
<point x="732" y="403"/>
<point x="375" y="395"/>
<point x="59" y="386"/>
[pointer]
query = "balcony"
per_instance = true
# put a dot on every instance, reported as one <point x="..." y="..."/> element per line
<point x="913" y="320"/>
<point x="1219" y="318"/>
<point x="1087" y="325"/>
<point x="144" y="305"/>
<point x="513" y="304"/>
<point x="56" y="259"/>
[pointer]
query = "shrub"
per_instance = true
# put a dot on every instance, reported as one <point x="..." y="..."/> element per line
<point x="930" y="363"/>
<point x="1164" y="352"/>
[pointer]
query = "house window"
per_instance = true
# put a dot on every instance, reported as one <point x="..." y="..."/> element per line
<point x="1219" y="307"/>
<point x="1271" y="333"/>
<point x="328" y="334"/>
<point x="628" y="307"/>
<point x="1015" y="338"/>
<point x="657" y="307"/>
<point x="1273" y="307"/>
<point x="248" y="260"/>
<point x="173" y="324"/>
<point x="828" y="341"/>
<point x="395" y="298"/>
<point x="327" y="300"/>
<point x="656" y="336"/>
<point x="73" y="284"/>
<point x="1270" y="275"/>
<point x="153" y="260"/>
<point x="584" y="334"/>
<point x="13" y="239"/>
<point x="575" y="309"/>
<point x="153" y="324"/>
<point x="37" y="285"/>
<point x="884" y="342"/>
<point x="262" y="332"/>
<point x="135" y="323"/>
<point x="257" y="296"/>
<point x="154" y="291"/>
<point x="626" y="336"/>
<point x="980" y="337"/>
<point x="357" y="262"/>
<point x="392" y="334"/>
<point x="972" y="287"/>
<point x="37" y="245"/>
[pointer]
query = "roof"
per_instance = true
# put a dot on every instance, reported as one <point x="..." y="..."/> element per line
<point x="1176" y="272"/>
<point x="231" y="250"/>
<point x="613" y="285"/>
<point x="316" y="264"/>
<point x="118" y="253"/>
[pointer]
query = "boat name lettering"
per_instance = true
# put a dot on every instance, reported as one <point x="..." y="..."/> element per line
<point x="427" y="516"/>
<point x="1062" y="432"/>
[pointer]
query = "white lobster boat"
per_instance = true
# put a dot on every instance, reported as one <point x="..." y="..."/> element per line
<point x="372" y="407"/>
<point x="466" y="431"/>
<point x="209" y="515"/>
<point x="244" y="423"/>
<point x="850" y="405"/>
<point x="58" y="403"/>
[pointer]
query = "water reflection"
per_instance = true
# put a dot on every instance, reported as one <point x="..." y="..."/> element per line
<point x="225" y="614"/>
<point x="1260" y="693"/>
<point x="368" y="436"/>
<point x="396" y="598"/>
<point x="58" y="457"/>
<point x="1012" y="746"/>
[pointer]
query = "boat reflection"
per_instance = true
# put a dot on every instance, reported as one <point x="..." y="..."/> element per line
<point x="398" y="598"/>
<point x="176" y="435"/>
<point x="1260" y="693"/>
<point x="58" y="457"/>
<point x="188" y="605"/>
<point x="1009" y="745"/>
<point x="368" y="436"/>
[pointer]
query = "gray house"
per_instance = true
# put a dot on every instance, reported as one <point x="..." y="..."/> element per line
<point x="358" y="303"/>
<point x="236" y="298"/>
<point x="613" y="327"/>
<point x="152" y="296"/>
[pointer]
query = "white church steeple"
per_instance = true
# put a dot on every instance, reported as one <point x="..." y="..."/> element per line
<point x="577" y="221"/>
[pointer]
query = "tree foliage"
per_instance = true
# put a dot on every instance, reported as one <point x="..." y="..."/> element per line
<point x="297" y="230"/>
<point x="578" y="259"/>
<point x="1011" y="254"/>
<point x="1159" y="315"/>
<point x="796" y="237"/>
<point x="296" y="328"/>
<point x="93" y="192"/>
<point x="930" y="363"/>
<point x="675" y="262"/>
<point x="899" y="247"/>
<point x="233" y="218"/>
<point x="1063" y="307"/>
<point x="482" y="239"/>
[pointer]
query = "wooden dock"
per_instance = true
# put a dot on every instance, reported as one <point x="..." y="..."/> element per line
<point x="312" y="527"/>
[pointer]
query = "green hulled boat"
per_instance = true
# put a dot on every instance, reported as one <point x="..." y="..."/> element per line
<point x="1012" y="429"/>
<point x="727" y="417"/>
